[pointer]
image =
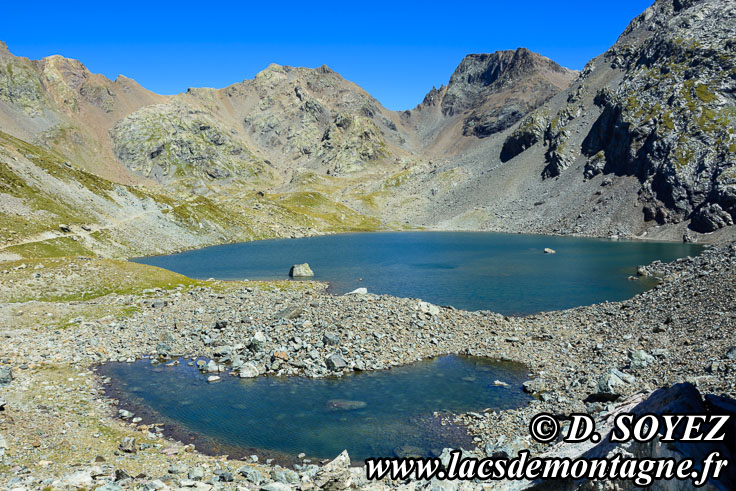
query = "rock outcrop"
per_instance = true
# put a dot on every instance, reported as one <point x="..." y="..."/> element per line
<point x="681" y="398"/>
<point x="490" y="92"/>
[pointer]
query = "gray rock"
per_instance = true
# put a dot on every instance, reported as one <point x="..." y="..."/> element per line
<point x="6" y="375"/>
<point x="710" y="218"/>
<point x="276" y="486"/>
<point x="127" y="445"/>
<point x="731" y="353"/>
<point x="111" y="486"/>
<point x="345" y="405"/>
<point x="428" y="308"/>
<point x="286" y="476"/>
<point x="335" y="362"/>
<point x="640" y="359"/>
<point x="249" y="370"/>
<point x="534" y="386"/>
<point x="257" y="342"/>
<point x="335" y="475"/>
<point x="358" y="291"/>
<point x="154" y="484"/>
<point x="610" y="383"/>
<point x="251" y="474"/>
<point x="224" y="476"/>
<point x="163" y="350"/>
<point x="301" y="271"/>
<point x="196" y="474"/>
<point x="331" y="339"/>
<point x="177" y="468"/>
<point x="290" y="313"/>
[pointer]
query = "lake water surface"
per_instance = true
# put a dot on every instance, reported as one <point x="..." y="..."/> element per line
<point x="371" y="414"/>
<point x="506" y="273"/>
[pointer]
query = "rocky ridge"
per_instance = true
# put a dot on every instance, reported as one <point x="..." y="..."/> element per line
<point x="639" y="144"/>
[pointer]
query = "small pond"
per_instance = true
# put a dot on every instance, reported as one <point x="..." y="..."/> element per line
<point x="505" y="273"/>
<point x="371" y="414"/>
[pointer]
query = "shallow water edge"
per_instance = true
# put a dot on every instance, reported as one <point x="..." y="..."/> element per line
<point x="436" y="426"/>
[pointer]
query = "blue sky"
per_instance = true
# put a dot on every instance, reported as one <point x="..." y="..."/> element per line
<point x="395" y="50"/>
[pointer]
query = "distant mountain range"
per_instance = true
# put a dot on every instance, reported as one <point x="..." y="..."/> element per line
<point x="641" y="143"/>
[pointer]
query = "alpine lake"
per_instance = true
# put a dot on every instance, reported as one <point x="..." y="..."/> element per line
<point x="397" y="412"/>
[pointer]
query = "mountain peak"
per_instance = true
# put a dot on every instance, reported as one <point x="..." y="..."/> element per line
<point x="484" y="69"/>
<point x="481" y="75"/>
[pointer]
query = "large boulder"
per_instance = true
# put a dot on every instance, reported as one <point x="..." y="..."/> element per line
<point x="681" y="398"/>
<point x="336" y="362"/>
<point x="710" y="218"/>
<point x="301" y="271"/>
<point x="335" y="475"/>
<point x="257" y="342"/>
<point x="249" y="370"/>
<point x="611" y="383"/>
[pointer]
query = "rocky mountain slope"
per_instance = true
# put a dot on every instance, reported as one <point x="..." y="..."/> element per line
<point x="487" y="94"/>
<point x="639" y="144"/>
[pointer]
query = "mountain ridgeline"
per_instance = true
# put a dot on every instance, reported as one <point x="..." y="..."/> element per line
<point x="641" y="143"/>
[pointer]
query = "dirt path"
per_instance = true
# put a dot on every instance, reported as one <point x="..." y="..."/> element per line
<point x="77" y="232"/>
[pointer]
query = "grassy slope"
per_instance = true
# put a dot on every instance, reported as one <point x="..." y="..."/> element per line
<point x="51" y="191"/>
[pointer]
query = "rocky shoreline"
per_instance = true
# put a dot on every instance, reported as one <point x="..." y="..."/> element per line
<point x="580" y="360"/>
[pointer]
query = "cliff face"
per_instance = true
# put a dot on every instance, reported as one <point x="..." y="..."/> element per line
<point x="668" y="118"/>
<point x="672" y="120"/>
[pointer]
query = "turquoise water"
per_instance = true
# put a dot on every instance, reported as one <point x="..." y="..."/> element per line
<point x="506" y="273"/>
<point x="371" y="414"/>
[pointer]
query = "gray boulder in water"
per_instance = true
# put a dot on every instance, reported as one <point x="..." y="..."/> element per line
<point x="301" y="271"/>
<point x="345" y="405"/>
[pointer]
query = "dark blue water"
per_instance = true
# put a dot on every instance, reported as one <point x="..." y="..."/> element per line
<point x="371" y="414"/>
<point x="506" y="273"/>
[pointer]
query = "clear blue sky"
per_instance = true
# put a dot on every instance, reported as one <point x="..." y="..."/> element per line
<point x="395" y="50"/>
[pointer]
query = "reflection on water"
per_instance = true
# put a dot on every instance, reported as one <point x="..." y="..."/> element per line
<point x="371" y="414"/>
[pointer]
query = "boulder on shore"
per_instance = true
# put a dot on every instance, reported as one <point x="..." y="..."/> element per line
<point x="301" y="271"/>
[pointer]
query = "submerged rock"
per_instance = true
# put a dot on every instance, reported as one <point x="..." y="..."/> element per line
<point x="301" y="271"/>
<point x="409" y="451"/>
<point x="345" y="405"/>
